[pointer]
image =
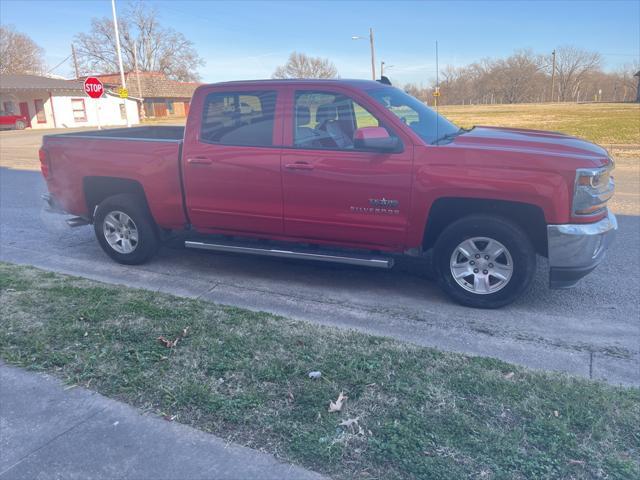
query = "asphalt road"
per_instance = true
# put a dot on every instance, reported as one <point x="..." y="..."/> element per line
<point x="592" y="330"/>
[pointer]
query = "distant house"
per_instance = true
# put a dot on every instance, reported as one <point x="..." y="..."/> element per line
<point x="57" y="103"/>
<point x="160" y="96"/>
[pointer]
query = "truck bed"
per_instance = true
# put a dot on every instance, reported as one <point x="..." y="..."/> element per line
<point x="171" y="133"/>
<point x="82" y="164"/>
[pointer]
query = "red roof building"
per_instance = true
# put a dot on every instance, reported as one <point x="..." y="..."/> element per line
<point x="160" y="96"/>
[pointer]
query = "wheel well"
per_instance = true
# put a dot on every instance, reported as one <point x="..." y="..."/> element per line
<point x="447" y="210"/>
<point x="97" y="189"/>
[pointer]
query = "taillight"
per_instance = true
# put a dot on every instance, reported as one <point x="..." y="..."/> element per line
<point x="45" y="168"/>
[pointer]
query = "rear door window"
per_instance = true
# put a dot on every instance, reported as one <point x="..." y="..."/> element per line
<point x="239" y="118"/>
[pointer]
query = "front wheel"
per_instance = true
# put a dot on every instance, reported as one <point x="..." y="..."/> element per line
<point x="125" y="229"/>
<point x="20" y="125"/>
<point x="484" y="261"/>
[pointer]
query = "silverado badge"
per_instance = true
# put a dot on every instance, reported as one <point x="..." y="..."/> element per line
<point x="379" y="206"/>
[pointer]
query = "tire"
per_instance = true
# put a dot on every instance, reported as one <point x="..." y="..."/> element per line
<point x="20" y="125"/>
<point x="125" y="229"/>
<point x="484" y="282"/>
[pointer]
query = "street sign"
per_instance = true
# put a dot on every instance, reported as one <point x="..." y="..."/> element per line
<point x="93" y="87"/>
<point x="123" y="92"/>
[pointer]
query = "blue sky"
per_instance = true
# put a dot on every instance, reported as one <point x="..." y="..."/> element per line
<point x="248" y="39"/>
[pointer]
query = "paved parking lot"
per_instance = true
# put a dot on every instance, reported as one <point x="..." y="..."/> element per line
<point x="592" y="330"/>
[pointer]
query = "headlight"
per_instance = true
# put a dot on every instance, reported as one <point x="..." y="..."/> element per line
<point x="593" y="188"/>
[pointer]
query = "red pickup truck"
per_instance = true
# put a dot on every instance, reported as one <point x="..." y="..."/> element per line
<point x="346" y="171"/>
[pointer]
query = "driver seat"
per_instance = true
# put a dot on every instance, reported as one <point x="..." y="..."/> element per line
<point x="327" y="120"/>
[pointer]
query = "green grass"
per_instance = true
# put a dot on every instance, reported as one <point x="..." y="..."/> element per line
<point x="603" y="123"/>
<point x="243" y="375"/>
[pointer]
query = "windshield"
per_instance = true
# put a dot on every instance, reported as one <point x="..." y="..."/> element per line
<point x="430" y="126"/>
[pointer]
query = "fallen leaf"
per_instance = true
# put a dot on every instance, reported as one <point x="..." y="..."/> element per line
<point x="337" y="405"/>
<point x="167" y="343"/>
<point x="509" y="376"/>
<point x="169" y="418"/>
<point x="172" y="343"/>
<point x="349" y="422"/>
<point x="556" y="413"/>
<point x="290" y="396"/>
<point x="86" y="334"/>
<point x="576" y="462"/>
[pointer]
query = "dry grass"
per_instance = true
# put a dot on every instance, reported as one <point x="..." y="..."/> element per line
<point x="608" y="124"/>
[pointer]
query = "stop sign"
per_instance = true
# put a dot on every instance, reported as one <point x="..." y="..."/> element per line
<point x="93" y="87"/>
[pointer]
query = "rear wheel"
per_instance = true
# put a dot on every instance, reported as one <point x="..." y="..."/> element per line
<point x="20" y="125"/>
<point x="484" y="261"/>
<point x="125" y="230"/>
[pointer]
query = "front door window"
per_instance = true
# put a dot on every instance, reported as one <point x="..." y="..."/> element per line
<point x="325" y="120"/>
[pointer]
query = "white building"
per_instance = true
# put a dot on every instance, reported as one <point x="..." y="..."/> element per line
<point x="55" y="103"/>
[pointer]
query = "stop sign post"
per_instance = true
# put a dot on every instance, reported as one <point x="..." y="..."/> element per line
<point x="94" y="88"/>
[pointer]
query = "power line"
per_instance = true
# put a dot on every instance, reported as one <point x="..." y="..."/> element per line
<point x="52" y="69"/>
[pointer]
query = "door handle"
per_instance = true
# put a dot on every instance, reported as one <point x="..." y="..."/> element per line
<point x="299" y="166"/>
<point x="199" y="161"/>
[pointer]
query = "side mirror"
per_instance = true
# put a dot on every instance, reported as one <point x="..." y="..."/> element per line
<point x="376" y="139"/>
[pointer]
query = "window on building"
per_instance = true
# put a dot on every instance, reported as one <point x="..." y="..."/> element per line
<point x="79" y="111"/>
<point x="148" y="109"/>
<point x="7" y="107"/>
<point x="170" y="107"/>
<point x="239" y="118"/>
<point x="328" y="120"/>
<point x="123" y="112"/>
<point x="40" y="115"/>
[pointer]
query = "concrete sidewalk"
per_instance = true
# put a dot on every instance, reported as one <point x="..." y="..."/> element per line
<point x="49" y="431"/>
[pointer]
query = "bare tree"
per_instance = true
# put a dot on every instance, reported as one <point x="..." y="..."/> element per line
<point x="300" y="65"/>
<point x="18" y="53"/>
<point x="159" y="49"/>
<point x="627" y="82"/>
<point x="518" y="76"/>
<point x="572" y="66"/>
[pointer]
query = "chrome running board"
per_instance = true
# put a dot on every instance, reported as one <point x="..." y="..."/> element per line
<point x="317" y="255"/>
<point x="77" y="222"/>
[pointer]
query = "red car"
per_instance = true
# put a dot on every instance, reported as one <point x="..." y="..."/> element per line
<point x="346" y="171"/>
<point x="12" y="121"/>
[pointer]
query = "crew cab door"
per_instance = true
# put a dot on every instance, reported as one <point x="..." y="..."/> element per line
<point x="333" y="191"/>
<point x="231" y="161"/>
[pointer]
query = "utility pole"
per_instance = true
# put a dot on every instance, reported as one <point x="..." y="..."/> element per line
<point x="75" y="61"/>
<point x="373" y="55"/>
<point x="381" y="69"/>
<point x="373" y="51"/>
<point x="135" y="61"/>
<point x="553" y="73"/>
<point x="122" y="80"/>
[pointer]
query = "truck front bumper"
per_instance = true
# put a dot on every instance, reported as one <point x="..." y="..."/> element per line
<point x="576" y="249"/>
